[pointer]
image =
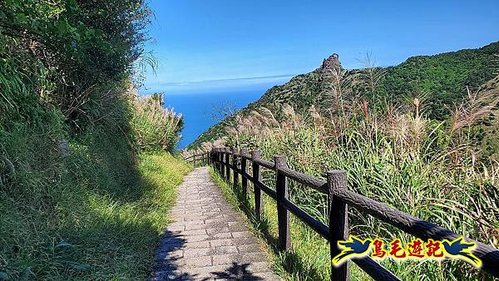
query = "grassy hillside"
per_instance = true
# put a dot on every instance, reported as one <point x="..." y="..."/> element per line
<point x="396" y="149"/>
<point x="440" y="80"/>
<point x="85" y="181"/>
<point x="93" y="223"/>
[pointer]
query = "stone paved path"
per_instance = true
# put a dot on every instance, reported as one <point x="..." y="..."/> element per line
<point x="208" y="240"/>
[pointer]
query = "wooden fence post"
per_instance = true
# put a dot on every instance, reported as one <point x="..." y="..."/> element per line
<point x="282" y="213"/>
<point x="257" y="177"/>
<point x="235" y="162"/>
<point x="338" y="220"/>
<point x="220" y="162"/>
<point x="244" y="180"/>
<point x="214" y="158"/>
<point x="222" y="159"/>
<point x="227" y="162"/>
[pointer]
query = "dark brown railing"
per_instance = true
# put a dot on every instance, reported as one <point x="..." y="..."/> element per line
<point x="199" y="159"/>
<point x="339" y="199"/>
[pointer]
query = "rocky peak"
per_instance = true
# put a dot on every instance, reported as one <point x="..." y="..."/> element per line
<point x="331" y="62"/>
<point x="330" y="67"/>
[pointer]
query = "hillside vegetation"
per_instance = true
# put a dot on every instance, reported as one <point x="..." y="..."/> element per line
<point x="398" y="148"/>
<point x="440" y="80"/>
<point x="84" y="179"/>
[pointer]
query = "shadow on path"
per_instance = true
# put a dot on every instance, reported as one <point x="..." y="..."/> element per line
<point x="236" y="272"/>
<point x="165" y="260"/>
<point x="208" y="240"/>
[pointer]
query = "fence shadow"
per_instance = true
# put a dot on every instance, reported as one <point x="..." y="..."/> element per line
<point x="235" y="272"/>
<point x="166" y="259"/>
<point x="291" y="262"/>
<point x="336" y="189"/>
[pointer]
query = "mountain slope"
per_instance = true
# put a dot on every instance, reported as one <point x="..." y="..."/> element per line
<point x="441" y="80"/>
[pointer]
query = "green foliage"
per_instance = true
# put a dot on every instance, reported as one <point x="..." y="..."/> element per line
<point x="402" y="137"/>
<point x="77" y="202"/>
<point x="87" y="225"/>
<point x="424" y="167"/>
<point x="72" y="48"/>
<point x="441" y="78"/>
<point x="444" y="76"/>
<point x="308" y="259"/>
<point x="153" y="126"/>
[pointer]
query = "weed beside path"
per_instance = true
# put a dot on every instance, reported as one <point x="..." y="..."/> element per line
<point x="86" y="233"/>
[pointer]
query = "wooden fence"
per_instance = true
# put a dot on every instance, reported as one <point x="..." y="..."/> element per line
<point x="199" y="159"/>
<point x="227" y="161"/>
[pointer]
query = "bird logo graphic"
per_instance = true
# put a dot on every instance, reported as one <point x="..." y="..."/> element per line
<point x="437" y="250"/>
<point x="353" y="247"/>
<point x="460" y="249"/>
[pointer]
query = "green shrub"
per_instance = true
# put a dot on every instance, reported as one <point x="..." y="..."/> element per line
<point x="153" y="126"/>
<point x="95" y="223"/>
<point x="423" y="167"/>
<point x="77" y="202"/>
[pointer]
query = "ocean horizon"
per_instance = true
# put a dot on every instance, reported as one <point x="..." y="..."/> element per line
<point x="204" y="109"/>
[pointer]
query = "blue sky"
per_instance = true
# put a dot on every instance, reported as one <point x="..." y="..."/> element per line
<point x="227" y="45"/>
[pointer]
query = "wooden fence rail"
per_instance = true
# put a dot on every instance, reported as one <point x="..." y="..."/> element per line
<point x="340" y="199"/>
<point x="199" y="159"/>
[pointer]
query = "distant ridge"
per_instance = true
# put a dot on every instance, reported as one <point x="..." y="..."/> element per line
<point x="443" y="78"/>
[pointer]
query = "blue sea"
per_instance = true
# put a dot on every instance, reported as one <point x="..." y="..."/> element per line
<point x="202" y="110"/>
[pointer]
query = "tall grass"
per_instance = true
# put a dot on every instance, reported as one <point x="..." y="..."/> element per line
<point x="153" y="125"/>
<point x="88" y="227"/>
<point x="79" y="199"/>
<point x="398" y="156"/>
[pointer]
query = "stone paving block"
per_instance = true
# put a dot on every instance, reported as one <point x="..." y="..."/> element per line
<point x="268" y="276"/>
<point x="223" y="242"/>
<point x="221" y="250"/>
<point x="249" y="248"/>
<point x="211" y="231"/>
<point x="194" y="232"/>
<point x="202" y="244"/>
<point x="195" y="218"/>
<point x="208" y="240"/>
<point x="242" y="234"/>
<point x="195" y="262"/>
<point x="210" y="213"/>
<point x="197" y="238"/>
<point x="208" y="269"/>
<point x="253" y="257"/>
<point x="225" y="259"/>
<point x="221" y="235"/>
<point x="178" y="227"/>
<point x="195" y="226"/>
<point x="258" y="267"/>
<point x="197" y="252"/>
<point x="244" y="241"/>
<point x="237" y="227"/>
